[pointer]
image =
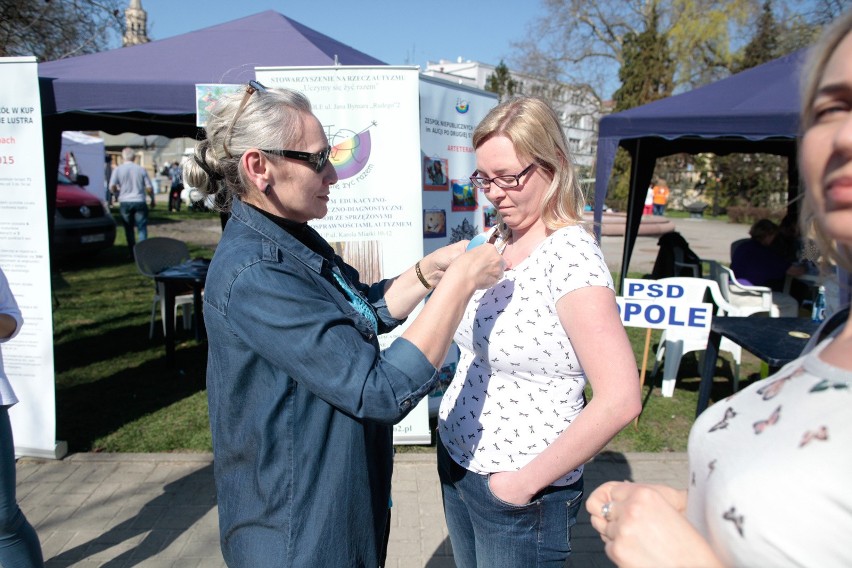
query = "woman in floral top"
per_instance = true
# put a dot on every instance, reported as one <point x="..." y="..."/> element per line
<point x="769" y="466"/>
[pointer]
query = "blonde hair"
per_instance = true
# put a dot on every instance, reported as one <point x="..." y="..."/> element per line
<point x="814" y="69"/>
<point x="536" y="135"/>
<point x="272" y="118"/>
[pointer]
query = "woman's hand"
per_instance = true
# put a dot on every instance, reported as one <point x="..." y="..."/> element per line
<point x="507" y="486"/>
<point x="436" y="263"/>
<point x="643" y="525"/>
<point x="481" y="266"/>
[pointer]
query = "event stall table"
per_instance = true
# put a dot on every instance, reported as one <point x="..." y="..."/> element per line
<point x="777" y="341"/>
<point x="175" y="280"/>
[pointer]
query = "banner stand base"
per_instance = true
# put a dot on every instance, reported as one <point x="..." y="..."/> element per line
<point x="60" y="450"/>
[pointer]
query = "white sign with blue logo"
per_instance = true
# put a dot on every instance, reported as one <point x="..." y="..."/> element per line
<point x="656" y="304"/>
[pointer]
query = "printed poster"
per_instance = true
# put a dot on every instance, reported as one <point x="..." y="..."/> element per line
<point x="25" y="258"/>
<point x="452" y="208"/>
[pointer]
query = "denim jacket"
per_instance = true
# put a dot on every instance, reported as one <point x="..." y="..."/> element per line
<point x="302" y="401"/>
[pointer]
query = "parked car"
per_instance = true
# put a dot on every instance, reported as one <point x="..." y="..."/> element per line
<point x="82" y="222"/>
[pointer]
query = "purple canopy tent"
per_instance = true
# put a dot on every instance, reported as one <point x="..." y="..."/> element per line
<point x="150" y="88"/>
<point x="754" y="111"/>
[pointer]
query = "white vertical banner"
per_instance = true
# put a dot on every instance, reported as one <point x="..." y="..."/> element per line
<point x="25" y="258"/>
<point x="452" y="208"/>
<point x="374" y="220"/>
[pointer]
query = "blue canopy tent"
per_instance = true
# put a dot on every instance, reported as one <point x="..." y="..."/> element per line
<point x="150" y="88"/>
<point x="755" y="111"/>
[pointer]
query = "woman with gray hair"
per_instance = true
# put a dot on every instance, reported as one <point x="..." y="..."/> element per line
<point x="302" y="399"/>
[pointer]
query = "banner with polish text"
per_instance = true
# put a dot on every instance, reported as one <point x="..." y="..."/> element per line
<point x="25" y="258"/>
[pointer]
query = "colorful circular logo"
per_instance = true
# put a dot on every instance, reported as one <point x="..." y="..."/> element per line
<point x="350" y="152"/>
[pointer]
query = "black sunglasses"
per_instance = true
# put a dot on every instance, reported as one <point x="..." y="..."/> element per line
<point x="318" y="159"/>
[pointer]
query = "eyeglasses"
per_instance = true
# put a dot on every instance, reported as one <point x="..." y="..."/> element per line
<point x="252" y="87"/>
<point x="318" y="159"/>
<point x="503" y="182"/>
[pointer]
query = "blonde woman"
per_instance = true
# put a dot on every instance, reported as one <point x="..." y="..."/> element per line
<point x="769" y="466"/>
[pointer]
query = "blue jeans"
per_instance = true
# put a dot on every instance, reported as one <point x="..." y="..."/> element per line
<point x="659" y="209"/>
<point x="19" y="546"/>
<point x="134" y="214"/>
<point x="489" y="533"/>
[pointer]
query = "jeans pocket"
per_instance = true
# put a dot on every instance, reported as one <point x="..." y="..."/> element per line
<point x="506" y="504"/>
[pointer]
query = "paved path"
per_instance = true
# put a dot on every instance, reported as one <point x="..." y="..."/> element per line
<point x="159" y="510"/>
<point x="709" y="239"/>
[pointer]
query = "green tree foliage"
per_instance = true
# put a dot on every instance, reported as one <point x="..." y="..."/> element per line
<point x="577" y="41"/>
<point x="501" y="82"/>
<point x="755" y="179"/>
<point x="763" y="46"/>
<point x="55" y="29"/>
<point x="646" y="75"/>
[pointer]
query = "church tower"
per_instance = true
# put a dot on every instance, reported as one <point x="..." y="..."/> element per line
<point x="135" y="18"/>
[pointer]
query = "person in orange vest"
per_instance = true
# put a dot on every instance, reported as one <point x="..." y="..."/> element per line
<point x="661" y="196"/>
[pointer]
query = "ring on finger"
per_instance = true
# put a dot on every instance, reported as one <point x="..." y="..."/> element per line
<point x="606" y="509"/>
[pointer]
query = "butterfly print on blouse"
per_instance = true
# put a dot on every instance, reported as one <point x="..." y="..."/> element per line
<point x="773" y="389"/>
<point x="738" y="520"/>
<point x="820" y="434"/>
<point x="761" y="425"/>
<point x="723" y="423"/>
<point x="825" y="384"/>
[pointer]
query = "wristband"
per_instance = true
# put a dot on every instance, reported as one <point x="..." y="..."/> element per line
<point x="420" y="276"/>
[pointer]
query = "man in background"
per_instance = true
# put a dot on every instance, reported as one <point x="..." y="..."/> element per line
<point x="130" y="182"/>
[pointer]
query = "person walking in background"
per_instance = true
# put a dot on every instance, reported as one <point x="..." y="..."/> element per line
<point x="176" y="185"/>
<point x="514" y="426"/>
<point x="302" y="398"/>
<point x="130" y="183"/>
<point x="660" y="197"/>
<point x="107" y="177"/>
<point x="790" y="430"/>
<point x="19" y="545"/>
<point x="648" y="208"/>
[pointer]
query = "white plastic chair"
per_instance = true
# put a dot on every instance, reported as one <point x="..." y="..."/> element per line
<point x="152" y="256"/>
<point x="747" y="299"/>
<point x="674" y="342"/>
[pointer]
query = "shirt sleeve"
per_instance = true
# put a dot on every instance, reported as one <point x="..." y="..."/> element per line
<point x="9" y="306"/>
<point x="576" y="262"/>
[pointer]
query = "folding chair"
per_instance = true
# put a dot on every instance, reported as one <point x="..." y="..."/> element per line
<point x="153" y="255"/>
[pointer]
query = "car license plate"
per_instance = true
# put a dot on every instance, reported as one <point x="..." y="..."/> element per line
<point x="93" y="238"/>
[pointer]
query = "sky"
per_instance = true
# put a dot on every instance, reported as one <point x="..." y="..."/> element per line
<point x="396" y="32"/>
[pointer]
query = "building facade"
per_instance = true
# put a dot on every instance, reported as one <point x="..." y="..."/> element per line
<point x="578" y="108"/>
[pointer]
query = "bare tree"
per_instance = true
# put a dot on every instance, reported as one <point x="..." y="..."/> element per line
<point x="55" y="29"/>
<point x="577" y="41"/>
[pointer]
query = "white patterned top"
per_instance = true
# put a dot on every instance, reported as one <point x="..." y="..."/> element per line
<point x="518" y="383"/>
<point x="770" y="469"/>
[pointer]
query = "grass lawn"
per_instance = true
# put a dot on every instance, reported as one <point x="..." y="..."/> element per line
<point x="115" y="393"/>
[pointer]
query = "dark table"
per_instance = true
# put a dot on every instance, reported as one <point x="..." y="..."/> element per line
<point x="175" y="280"/>
<point x="769" y="339"/>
